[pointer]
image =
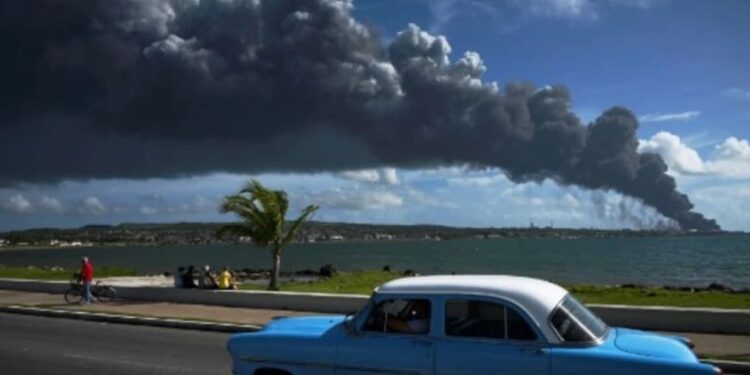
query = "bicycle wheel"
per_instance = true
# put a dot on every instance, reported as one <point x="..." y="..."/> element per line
<point x="104" y="293"/>
<point x="73" y="296"/>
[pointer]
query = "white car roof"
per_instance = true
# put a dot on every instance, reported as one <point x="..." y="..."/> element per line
<point x="536" y="297"/>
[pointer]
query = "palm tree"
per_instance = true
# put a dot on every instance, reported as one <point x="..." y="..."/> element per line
<point x="263" y="212"/>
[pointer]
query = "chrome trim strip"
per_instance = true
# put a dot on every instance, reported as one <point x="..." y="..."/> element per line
<point x="328" y="366"/>
<point x="485" y="340"/>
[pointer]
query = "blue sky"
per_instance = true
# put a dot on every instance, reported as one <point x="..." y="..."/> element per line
<point x="681" y="66"/>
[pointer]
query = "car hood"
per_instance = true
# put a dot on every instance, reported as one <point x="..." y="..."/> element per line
<point x="302" y="326"/>
<point x="653" y="345"/>
<point x="311" y="338"/>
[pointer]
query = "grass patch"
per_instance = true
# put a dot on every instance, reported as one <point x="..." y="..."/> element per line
<point x="364" y="283"/>
<point x="648" y="296"/>
<point x="39" y="273"/>
<point x="345" y="282"/>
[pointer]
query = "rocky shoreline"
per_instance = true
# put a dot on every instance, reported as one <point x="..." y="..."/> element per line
<point x="262" y="275"/>
<point x="259" y="276"/>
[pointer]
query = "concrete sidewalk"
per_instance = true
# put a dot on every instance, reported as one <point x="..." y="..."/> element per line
<point x="706" y="344"/>
<point x="155" y="309"/>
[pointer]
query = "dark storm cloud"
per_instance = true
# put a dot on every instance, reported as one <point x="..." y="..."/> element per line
<point x="144" y="88"/>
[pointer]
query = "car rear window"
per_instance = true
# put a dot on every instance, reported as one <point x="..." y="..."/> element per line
<point x="483" y="319"/>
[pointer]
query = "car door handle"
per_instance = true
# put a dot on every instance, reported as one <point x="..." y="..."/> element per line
<point x="534" y="351"/>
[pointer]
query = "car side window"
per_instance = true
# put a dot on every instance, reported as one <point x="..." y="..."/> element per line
<point x="400" y="316"/>
<point x="518" y="327"/>
<point x="483" y="319"/>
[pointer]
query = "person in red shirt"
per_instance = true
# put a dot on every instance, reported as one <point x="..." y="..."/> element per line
<point x="86" y="276"/>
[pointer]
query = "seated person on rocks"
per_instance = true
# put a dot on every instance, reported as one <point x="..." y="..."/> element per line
<point x="179" y="277"/>
<point x="207" y="279"/>
<point x="188" y="278"/>
<point x="225" y="279"/>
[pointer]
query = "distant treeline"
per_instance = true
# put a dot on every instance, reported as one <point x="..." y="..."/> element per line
<point x="205" y="233"/>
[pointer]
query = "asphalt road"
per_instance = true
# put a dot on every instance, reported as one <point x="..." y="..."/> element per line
<point x="31" y="345"/>
<point x="37" y="345"/>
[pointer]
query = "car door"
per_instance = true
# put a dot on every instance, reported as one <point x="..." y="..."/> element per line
<point x="487" y="336"/>
<point x="374" y="348"/>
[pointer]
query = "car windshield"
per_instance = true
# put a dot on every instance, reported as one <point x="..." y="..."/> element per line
<point x="576" y="323"/>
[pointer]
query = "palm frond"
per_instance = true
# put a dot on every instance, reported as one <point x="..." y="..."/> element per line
<point x="261" y="208"/>
<point x="263" y="212"/>
<point x="245" y="209"/>
<point x="309" y="210"/>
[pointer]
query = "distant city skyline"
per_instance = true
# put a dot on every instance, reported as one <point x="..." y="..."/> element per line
<point x="680" y="66"/>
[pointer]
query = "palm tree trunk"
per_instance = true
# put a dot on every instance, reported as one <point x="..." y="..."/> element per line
<point x="274" y="284"/>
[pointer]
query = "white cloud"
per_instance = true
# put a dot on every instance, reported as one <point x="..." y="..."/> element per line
<point x="51" y="204"/>
<point x="202" y="204"/>
<point x="478" y="181"/>
<point x="737" y="93"/>
<point x="458" y="195"/>
<point x="572" y="9"/>
<point x="729" y="203"/>
<point x="441" y="172"/>
<point x="446" y="11"/>
<point x="731" y="158"/>
<point x="363" y="175"/>
<point x="664" y="117"/>
<point x="355" y="200"/>
<point x="199" y="205"/>
<point x="146" y="210"/>
<point x="571" y="200"/>
<point x="388" y="176"/>
<point x="679" y="157"/>
<point x="510" y="15"/>
<point x="429" y="200"/>
<point x="18" y="204"/>
<point x="93" y="206"/>
<point x="181" y="208"/>
<point x="575" y="9"/>
<point x="119" y="210"/>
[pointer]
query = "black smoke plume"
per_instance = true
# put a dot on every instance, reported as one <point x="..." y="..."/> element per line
<point x="145" y="88"/>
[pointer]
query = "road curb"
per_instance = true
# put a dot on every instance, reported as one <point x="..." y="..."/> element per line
<point x="130" y="319"/>
<point x="730" y="367"/>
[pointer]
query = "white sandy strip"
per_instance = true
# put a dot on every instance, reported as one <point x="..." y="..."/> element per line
<point x="158" y="281"/>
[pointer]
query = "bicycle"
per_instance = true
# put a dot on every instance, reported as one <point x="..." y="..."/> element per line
<point x="102" y="292"/>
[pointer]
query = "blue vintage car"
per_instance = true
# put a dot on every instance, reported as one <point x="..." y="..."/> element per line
<point x="461" y="325"/>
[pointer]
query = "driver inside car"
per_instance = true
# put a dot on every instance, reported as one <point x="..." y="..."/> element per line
<point x="417" y="321"/>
